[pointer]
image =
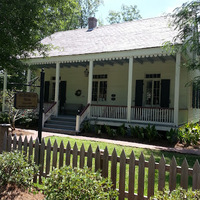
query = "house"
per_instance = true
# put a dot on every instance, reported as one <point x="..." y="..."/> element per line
<point x="119" y="74"/>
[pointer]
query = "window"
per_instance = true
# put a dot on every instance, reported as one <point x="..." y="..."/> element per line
<point x="99" y="88"/>
<point x="195" y="96"/>
<point x="152" y="93"/>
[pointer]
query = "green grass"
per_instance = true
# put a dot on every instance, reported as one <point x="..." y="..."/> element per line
<point x="137" y="152"/>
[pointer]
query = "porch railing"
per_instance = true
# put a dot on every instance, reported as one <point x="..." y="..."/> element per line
<point x="159" y="115"/>
<point x="164" y="115"/>
<point x="49" y="110"/>
<point x="82" y="116"/>
<point x="108" y="112"/>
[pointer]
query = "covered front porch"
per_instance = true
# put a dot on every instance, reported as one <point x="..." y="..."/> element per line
<point x="136" y="87"/>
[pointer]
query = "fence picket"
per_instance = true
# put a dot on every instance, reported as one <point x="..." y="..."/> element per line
<point x="30" y="148"/>
<point x="122" y="175"/>
<point x="68" y="154"/>
<point x="82" y="156"/>
<point x="48" y="156"/>
<point x="25" y="146"/>
<point x="105" y="163"/>
<point x="102" y="161"/>
<point x="97" y="159"/>
<point x="41" y="161"/>
<point x="196" y="176"/>
<point x="131" y="184"/>
<point x="89" y="157"/>
<point x="55" y="151"/>
<point x="172" y="174"/>
<point x="151" y="176"/>
<point x="20" y="143"/>
<point x="114" y="168"/>
<point x="61" y="154"/>
<point x="36" y="158"/>
<point x="75" y="155"/>
<point x="141" y="174"/>
<point x="161" y="174"/>
<point x="184" y="174"/>
<point x="15" y="142"/>
<point x="9" y="143"/>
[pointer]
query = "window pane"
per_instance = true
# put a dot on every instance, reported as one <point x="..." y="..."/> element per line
<point x="156" y="93"/>
<point x="103" y="91"/>
<point x="149" y="93"/>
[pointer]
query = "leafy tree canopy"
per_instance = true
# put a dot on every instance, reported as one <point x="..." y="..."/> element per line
<point x="24" y="23"/>
<point x="186" y="20"/>
<point x="127" y="13"/>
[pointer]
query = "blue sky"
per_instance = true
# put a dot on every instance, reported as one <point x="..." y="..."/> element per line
<point x="148" y="8"/>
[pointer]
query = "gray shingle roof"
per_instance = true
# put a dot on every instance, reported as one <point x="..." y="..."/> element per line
<point x="140" y="34"/>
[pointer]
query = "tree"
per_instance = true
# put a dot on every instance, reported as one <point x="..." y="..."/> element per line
<point x="186" y="20"/>
<point x="127" y="13"/>
<point x="88" y="9"/>
<point x="24" y="23"/>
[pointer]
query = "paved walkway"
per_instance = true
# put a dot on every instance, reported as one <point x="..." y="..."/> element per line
<point x="34" y="134"/>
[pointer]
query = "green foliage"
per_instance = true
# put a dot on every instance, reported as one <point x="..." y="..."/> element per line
<point x="172" y="135"/>
<point x="82" y="184"/>
<point x="177" y="194"/>
<point x="24" y="23"/>
<point x="13" y="113"/>
<point x="4" y="118"/>
<point x="127" y="13"/>
<point x="151" y="133"/>
<point x="121" y="130"/>
<point x="15" y="169"/>
<point x="148" y="133"/>
<point x="186" y="20"/>
<point x="189" y="134"/>
<point x="111" y="131"/>
<point x="86" y="128"/>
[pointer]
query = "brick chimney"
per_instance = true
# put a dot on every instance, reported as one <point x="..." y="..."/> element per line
<point x="92" y="23"/>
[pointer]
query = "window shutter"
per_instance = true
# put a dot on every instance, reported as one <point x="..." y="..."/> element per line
<point x="46" y="91"/>
<point x="139" y="93"/>
<point x="165" y="89"/>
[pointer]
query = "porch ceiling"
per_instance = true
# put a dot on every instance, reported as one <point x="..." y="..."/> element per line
<point x="111" y="62"/>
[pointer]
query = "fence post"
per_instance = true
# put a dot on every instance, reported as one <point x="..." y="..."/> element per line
<point x="3" y="130"/>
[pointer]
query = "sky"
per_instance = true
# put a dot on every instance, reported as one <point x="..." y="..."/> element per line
<point x="147" y="8"/>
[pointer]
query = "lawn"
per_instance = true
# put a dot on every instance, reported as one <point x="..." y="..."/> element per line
<point x="137" y="152"/>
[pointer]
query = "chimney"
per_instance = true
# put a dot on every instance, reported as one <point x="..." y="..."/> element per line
<point x="92" y="23"/>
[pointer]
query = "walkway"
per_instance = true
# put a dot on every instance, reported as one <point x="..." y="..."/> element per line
<point x="34" y="134"/>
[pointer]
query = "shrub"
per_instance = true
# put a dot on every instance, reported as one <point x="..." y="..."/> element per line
<point x="137" y="132"/>
<point x="172" y="135"/>
<point x="15" y="169"/>
<point x="177" y="194"/>
<point x="150" y="133"/>
<point x="111" y="131"/>
<point x="77" y="184"/>
<point x="189" y="134"/>
<point x="121" y="130"/>
<point x="4" y="117"/>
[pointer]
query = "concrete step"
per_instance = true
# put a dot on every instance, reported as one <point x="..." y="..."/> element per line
<point x="62" y="131"/>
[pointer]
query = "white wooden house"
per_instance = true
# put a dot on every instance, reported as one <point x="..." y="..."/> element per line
<point x="119" y="74"/>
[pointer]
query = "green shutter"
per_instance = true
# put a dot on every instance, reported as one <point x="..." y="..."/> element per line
<point x="139" y="93"/>
<point x="165" y="91"/>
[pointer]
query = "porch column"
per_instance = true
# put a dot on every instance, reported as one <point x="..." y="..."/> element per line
<point x="176" y="88"/>
<point x="130" y="81"/>
<point x="28" y="88"/>
<point x="57" y="87"/>
<point x="4" y="90"/>
<point x="90" y="82"/>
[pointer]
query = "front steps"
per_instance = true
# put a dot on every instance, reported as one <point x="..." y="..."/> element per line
<point x="61" y="124"/>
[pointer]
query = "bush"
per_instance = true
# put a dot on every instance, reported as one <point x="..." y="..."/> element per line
<point x="122" y="130"/>
<point x="4" y="118"/>
<point x="177" y="194"/>
<point x="189" y="134"/>
<point x="16" y="170"/>
<point x="77" y="184"/>
<point x="172" y="135"/>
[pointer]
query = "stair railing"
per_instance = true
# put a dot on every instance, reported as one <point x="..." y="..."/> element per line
<point x="49" y="112"/>
<point x="82" y="116"/>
